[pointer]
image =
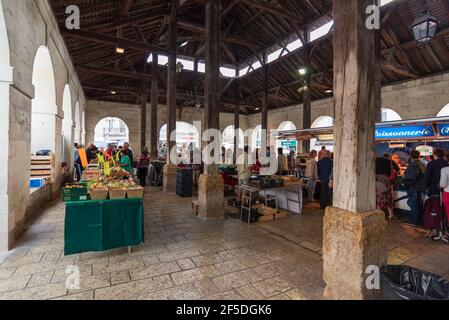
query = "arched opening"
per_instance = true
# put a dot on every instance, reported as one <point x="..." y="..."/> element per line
<point x="83" y="127"/>
<point x="228" y="142"/>
<point x="444" y="112"/>
<point x="390" y="115"/>
<point x="287" y="145"/>
<point x="67" y="126"/>
<point x="111" y="130"/>
<point x="256" y="141"/>
<point x="77" y="124"/>
<point x="322" y="122"/>
<point x="43" y="106"/>
<point x="187" y="138"/>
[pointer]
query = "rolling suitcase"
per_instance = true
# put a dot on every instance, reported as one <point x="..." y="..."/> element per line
<point x="432" y="213"/>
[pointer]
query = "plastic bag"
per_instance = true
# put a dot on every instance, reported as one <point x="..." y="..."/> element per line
<point x="407" y="283"/>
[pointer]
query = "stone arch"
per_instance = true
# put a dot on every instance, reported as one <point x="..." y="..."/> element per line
<point x="111" y="130"/>
<point x="43" y="105"/>
<point x="67" y="125"/>
<point x="390" y="115"/>
<point x="321" y="122"/>
<point x="444" y="112"/>
<point x="77" y="121"/>
<point x="6" y="78"/>
<point x="187" y="136"/>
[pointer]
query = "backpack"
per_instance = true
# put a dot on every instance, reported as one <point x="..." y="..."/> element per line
<point x="417" y="184"/>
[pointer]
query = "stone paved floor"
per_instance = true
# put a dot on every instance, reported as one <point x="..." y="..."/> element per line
<point x="185" y="258"/>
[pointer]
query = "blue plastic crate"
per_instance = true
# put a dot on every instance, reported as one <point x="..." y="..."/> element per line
<point x="36" y="183"/>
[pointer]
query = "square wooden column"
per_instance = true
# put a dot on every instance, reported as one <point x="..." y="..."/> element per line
<point x="354" y="232"/>
<point x="210" y="184"/>
<point x="154" y="104"/>
<point x="169" y="179"/>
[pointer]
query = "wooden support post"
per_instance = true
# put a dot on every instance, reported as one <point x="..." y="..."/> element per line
<point x="210" y="184"/>
<point x="169" y="181"/>
<point x="154" y="106"/>
<point x="236" y="119"/>
<point x="354" y="236"/>
<point x="143" y="117"/>
<point x="265" y="134"/>
<point x="378" y="76"/>
<point x="307" y="97"/>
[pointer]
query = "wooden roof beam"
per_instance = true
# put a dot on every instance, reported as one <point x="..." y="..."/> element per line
<point x="108" y="39"/>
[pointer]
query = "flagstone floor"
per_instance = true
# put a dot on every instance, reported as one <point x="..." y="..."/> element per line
<point x="186" y="258"/>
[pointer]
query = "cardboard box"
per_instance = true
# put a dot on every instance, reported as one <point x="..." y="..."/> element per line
<point x="267" y="218"/>
<point x="195" y="207"/>
<point x="281" y="215"/>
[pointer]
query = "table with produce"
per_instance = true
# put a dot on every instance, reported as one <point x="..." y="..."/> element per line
<point x="103" y="213"/>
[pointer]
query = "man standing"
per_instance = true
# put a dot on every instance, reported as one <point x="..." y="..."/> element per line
<point x="311" y="174"/>
<point x="432" y="174"/>
<point x="282" y="163"/>
<point x="128" y="151"/>
<point x="321" y="153"/>
<point x="414" y="180"/>
<point x="77" y="162"/>
<point x="324" y="168"/>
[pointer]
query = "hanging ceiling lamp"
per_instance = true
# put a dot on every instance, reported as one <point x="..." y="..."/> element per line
<point x="424" y="28"/>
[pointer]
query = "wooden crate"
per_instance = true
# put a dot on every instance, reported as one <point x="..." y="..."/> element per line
<point x="281" y="215"/>
<point x="42" y="166"/>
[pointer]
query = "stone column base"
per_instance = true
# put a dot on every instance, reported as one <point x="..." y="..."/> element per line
<point x="211" y="197"/>
<point x="169" y="178"/>
<point x="351" y="243"/>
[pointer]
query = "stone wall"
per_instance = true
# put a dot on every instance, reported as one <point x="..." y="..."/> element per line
<point x="414" y="99"/>
<point x="29" y="25"/>
<point x="130" y="114"/>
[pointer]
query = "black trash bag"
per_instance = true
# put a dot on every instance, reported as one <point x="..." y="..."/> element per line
<point x="407" y="283"/>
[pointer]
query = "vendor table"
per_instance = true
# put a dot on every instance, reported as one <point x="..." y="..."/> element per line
<point x="103" y="225"/>
<point x="288" y="197"/>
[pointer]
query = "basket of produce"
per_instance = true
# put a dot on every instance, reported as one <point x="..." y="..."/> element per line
<point x="118" y="173"/>
<point x="98" y="191"/>
<point x="135" y="192"/>
<point x="90" y="175"/>
<point x="117" y="190"/>
<point x="74" y="192"/>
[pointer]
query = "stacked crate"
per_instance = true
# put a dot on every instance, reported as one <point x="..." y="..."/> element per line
<point x="184" y="182"/>
<point x="42" y="167"/>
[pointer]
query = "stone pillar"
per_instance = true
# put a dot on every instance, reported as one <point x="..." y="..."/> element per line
<point x="210" y="185"/>
<point x="169" y="179"/>
<point x="265" y="135"/>
<point x="354" y="232"/>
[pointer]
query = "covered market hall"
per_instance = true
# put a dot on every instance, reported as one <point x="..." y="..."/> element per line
<point x="223" y="149"/>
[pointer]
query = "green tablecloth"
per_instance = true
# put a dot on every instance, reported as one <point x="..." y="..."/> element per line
<point x="102" y="225"/>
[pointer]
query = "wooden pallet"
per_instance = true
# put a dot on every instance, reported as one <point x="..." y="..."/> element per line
<point x="42" y="166"/>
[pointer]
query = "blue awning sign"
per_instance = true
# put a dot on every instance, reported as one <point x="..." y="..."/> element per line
<point x="405" y="132"/>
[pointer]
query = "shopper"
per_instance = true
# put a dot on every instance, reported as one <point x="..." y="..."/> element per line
<point x="324" y="168"/>
<point x="291" y="162"/>
<point x="433" y="173"/>
<point x="321" y="153"/>
<point x="142" y="167"/>
<point x="444" y="184"/>
<point x="243" y="167"/>
<point x="91" y="152"/>
<point x="77" y="162"/>
<point x="129" y="152"/>
<point x="311" y="174"/>
<point x="125" y="162"/>
<point x="414" y="180"/>
<point x="384" y="187"/>
<point x="282" y="163"/>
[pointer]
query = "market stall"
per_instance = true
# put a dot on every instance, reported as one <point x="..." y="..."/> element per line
<point x="397" y="138"/>
<point x="104" y="211"/>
